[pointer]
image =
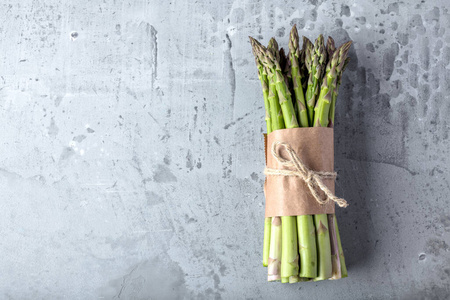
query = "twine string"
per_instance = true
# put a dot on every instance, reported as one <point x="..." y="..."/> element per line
<point x="313" y="179"/>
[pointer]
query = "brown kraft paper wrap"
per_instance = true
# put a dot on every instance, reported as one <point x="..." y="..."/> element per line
<point x="289" y="195"/>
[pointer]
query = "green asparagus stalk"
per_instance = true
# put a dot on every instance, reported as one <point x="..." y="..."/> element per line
<point x="338" y="260"/>
<point x="284" y="95"/>
<point x="331" y="48"/>
<point x="322" y="108"/>
<point x="276" y="114"/>
<point x="289" y="250"/>
<point x="316" y="65"/>
<point x="321" y="221"/>
<point x="289" y="257"/>
<point x="329" y="84"/>
<point x="266" y="243"/>
<point x="294" y="56"/>
<point x="341" y="252"/>
<point x="285" y="65"/>
<point x="287" y="72"/>
<point x="262" y="74"/>
<point x="272" y="241"/>
<point x="335" y="93"/>
<point x="324" y="267"/>
<point x="274" y="267"/>
<point x="305" y="223"/>
<point x="307" y="246"/>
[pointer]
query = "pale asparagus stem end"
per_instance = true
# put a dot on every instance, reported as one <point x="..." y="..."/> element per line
<point x="289" y="248"/>
<point x="341" y="252"/>
<point x="274" y="266"/>
<point x="266" y="249"/>
<point x="335" y="259"/>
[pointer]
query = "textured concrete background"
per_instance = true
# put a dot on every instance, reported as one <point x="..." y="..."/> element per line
<point x="131" y="148"/>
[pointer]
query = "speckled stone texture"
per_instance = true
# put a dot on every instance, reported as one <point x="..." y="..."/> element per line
<point x="131" y="148"/>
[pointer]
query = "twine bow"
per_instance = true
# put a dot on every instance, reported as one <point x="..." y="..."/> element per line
<point x="313" y="179"/>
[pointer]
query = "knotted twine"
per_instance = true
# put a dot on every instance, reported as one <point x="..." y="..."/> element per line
<point x="313" y="179"/>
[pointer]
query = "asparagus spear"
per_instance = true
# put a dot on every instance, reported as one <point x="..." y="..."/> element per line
<point x="294" y="56"/>
<point x="329" y="85"/>
<point x="289" y="253"/>
<point x="274" y="267"/>
<point x="289" y="250"/>
<point x="304" y="58"/>
<point x="331" y="48"/>
<point x="335" y="258"/>
<point x="335" y="93"/>
<point x="272" y="63"/>
<point x="287" y="72"/>
<point x="288" y="75"/>
<point x="305" y="223"/>
<point x="324" y="248"/>
<point x="338" y="260"/>
<point x="341" y="253"/>
<point x="266" y="243"/>
<point x="262" y="74"/>
<point x="275" y="110"/>
<point x="276" y="114"/>
<point x="316" y="65"/>
<point x="272" y="240"/>
<point x="321" y="220"/>
<point x="325" y="97"/>
<point x="289" y="257"/>
<point x="307" y="246"/>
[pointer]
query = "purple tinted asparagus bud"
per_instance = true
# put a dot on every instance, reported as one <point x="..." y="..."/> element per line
<point x="316" y="69"/>
<point x="295" y="59"/>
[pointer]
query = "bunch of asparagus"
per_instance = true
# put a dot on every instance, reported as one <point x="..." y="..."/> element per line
<point x="300" y="90"/>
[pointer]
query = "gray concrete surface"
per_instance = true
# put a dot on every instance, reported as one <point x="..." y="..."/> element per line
<point x="131" y="148"/>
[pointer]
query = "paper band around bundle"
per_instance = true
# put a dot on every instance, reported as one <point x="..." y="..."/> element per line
<point x="300" y="172"/>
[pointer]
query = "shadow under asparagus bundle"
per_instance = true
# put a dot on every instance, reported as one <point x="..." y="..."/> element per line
<point x="300" y="90"/>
